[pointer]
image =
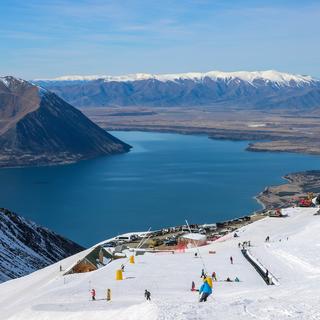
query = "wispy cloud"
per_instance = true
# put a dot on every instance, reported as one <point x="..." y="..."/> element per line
<point x="199" y="32"/>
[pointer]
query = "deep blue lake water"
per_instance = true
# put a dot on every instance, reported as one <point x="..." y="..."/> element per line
<point x="164" y="180"/>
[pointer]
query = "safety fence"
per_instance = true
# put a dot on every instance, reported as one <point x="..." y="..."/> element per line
<point x="265" y="274"/>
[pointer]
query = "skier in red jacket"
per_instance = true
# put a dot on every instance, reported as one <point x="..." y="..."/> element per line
<point x="93" y="294"/>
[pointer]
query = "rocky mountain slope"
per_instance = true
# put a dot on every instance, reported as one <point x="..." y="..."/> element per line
<point x="37" y="127"/>
<point x="26" y="246"/>
<point x="260" y="89"/>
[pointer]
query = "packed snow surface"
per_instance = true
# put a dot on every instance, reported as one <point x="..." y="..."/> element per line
<point x="292" y="257"/>
<point x="267" y="76"/>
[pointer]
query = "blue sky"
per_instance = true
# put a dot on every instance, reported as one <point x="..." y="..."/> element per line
<point x="52" y="38"/>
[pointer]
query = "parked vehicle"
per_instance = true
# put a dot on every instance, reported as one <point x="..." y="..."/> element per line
<point x="171" y="242"/>
<point x="110" y="244"/>
<point x="128" y="238"/>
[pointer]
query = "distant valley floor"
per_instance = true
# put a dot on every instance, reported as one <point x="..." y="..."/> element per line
<point x="276" y="131"/>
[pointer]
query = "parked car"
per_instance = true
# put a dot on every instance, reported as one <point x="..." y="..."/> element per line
<point x="171" y="242"/>
<point x="110" y="244"/>
<point x="129" y="238"/>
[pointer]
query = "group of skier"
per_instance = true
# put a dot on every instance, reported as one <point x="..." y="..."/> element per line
<point x="204" y="291"/>
<point x="147" y="294"/>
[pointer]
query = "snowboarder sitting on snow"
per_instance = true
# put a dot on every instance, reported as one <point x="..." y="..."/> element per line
<point x="236" y="279"/>
<point x="147" y="295"/>
<point x="228" y="280"/>
<point x="93" y="294"/>
<point x="205" y="291"/>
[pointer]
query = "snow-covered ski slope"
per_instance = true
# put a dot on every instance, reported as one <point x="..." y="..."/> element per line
<point x="292" y="256"/>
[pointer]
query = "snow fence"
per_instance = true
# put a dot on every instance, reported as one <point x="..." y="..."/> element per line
<point x="268" y="278"/>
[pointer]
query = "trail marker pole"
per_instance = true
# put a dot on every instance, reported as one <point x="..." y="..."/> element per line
<point x="198" y="251"/>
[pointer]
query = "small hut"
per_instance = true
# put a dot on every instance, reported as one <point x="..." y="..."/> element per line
<point x="193" y="240"/>
<point x="95" y="259"/>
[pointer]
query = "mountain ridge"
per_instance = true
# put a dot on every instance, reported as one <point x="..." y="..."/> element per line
<point x="246" y="90"/>
<point x="38" y="128"/>
<point x="250" y="76"/>
<point x="26" y="247"/>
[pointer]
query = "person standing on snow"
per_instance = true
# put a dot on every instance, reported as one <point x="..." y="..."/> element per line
<point x="193" y="286"/>
<point x="267" y="276"/>
<point x="205" y="291"/>
<point x="231" y="260"/>
<point x="214" y="276"/>
<point x="147" y="295"/>
<point x="203" y="274"/>
<point x="93" y="294"/>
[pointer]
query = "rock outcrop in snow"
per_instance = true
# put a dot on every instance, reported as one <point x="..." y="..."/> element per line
<point x="26" y="247"/>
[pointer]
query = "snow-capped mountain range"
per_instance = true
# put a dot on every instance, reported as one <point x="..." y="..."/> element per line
<point x="26" y="247"/>
<point x="257" y="89"/>
<point x="280" y="78"/>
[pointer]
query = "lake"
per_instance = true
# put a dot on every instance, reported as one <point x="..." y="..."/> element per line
<point x="165" y="179"/>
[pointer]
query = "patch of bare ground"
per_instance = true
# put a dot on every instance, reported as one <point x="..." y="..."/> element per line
<point x="275" y="131"/>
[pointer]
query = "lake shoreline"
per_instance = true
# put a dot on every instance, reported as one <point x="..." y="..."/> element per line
<point x="162" y="167"/>
<point x="284" y="195"/>
<point x="269" y="198"/>
<point x="298" y="185"/>
<point x="257" y="141"/>
<point x="274" y="131"/>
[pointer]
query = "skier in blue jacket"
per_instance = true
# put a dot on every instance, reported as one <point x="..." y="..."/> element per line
<point x="205" y="291"/>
